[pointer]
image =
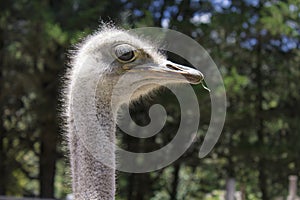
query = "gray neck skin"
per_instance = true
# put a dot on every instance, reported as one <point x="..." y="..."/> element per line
<point x="92" y="133"/>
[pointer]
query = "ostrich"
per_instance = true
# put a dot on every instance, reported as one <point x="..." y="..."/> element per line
<point x="96" y="67"/>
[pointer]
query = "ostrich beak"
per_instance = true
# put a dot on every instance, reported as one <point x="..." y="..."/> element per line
<point x="193" y="76"/>
<point x="172" y="71"/>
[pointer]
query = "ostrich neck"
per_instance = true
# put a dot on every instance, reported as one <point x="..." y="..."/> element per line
<point x="91" y="143"/>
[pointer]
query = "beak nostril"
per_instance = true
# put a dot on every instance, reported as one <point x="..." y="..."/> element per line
<point x="173" y="67"/>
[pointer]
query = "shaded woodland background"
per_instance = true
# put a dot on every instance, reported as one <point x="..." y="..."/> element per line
<point x="256" y="46"/>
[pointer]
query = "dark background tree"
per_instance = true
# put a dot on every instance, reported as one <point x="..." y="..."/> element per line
<point x="256" y="46"/>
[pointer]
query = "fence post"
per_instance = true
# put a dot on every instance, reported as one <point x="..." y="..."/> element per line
<point x="292" y="188"/>
<point x="230" y="189"/>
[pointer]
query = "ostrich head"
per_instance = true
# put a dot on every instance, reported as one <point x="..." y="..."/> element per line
<point x="116" y="53"/>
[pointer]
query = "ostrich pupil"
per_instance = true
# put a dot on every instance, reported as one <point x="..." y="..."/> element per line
<point x="126" y="56"/>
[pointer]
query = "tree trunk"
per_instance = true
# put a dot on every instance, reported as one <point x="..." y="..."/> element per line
<point x="2" y="158"/>
<point x="260" y="121"/>
<point x="173" y="195"/>
<point x="130" y="186"/>
<point x="2" y="129"/>
<point x="141" y="190"/>
<point x="47" y="163"/>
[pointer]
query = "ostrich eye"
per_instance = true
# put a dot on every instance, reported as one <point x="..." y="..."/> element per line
<point x="125" y="53"/>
